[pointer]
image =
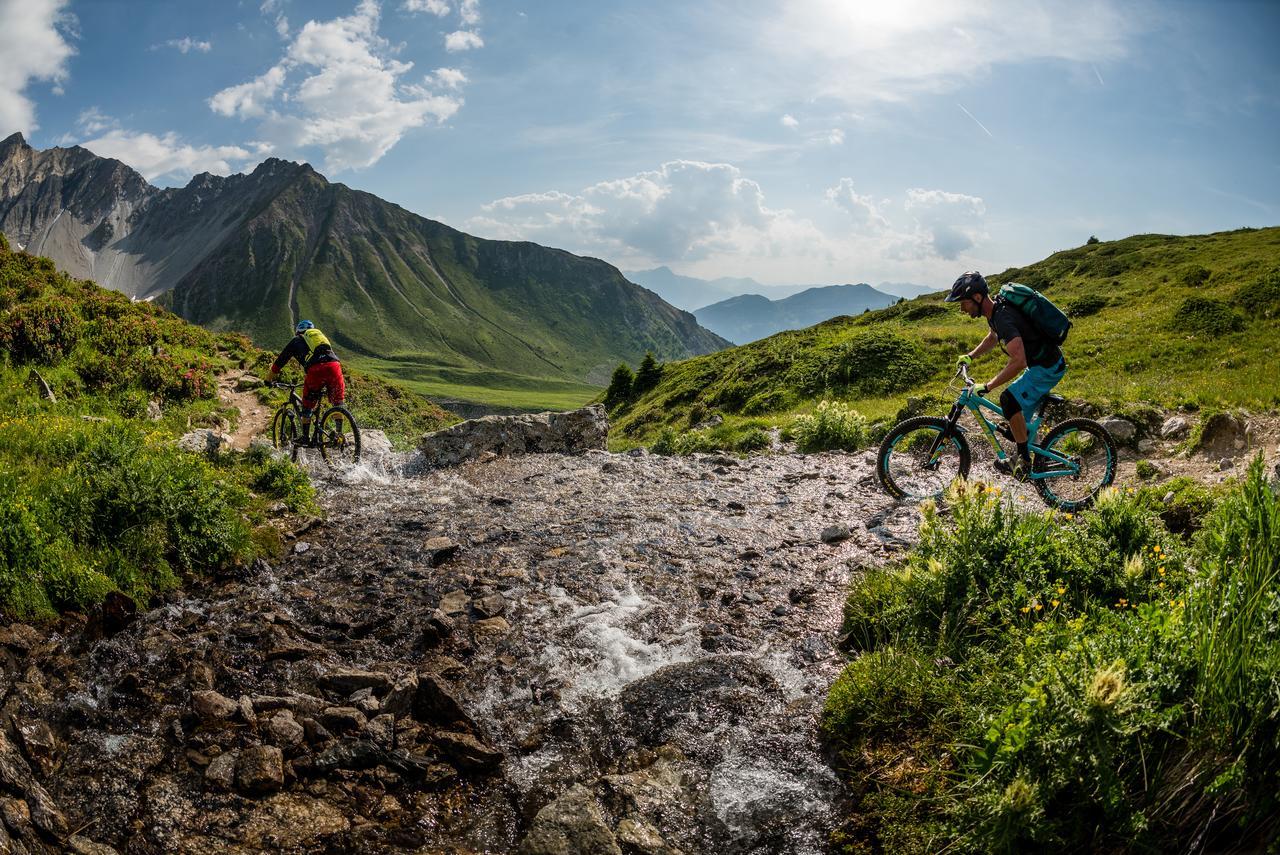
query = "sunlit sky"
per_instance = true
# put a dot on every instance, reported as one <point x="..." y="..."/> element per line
<point x="808" y="141"/>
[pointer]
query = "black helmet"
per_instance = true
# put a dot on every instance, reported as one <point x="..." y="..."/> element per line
<point x="966" y="286"/>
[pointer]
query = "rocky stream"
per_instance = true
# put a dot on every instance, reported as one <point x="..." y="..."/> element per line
<point x="545" y="653"/>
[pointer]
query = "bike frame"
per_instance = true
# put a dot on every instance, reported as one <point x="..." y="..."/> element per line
<point x="975" y="403"/>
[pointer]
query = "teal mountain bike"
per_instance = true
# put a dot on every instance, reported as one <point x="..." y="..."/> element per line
<point x="922" y="455"/>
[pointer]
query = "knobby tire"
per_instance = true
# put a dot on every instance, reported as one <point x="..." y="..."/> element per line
<point x="895" y="477"/>
<point x="1074" y="493"/>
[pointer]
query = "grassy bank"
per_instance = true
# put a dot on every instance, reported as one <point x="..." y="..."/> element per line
<point x="1028" y="680"/>
<point x="94" y="494"/>
<point x="1158" y="320"/>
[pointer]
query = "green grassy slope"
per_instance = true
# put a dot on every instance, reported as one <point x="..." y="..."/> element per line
<point x="1163" y="320"/>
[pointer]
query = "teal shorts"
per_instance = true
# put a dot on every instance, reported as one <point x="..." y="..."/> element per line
<point x="1034" y="383"/>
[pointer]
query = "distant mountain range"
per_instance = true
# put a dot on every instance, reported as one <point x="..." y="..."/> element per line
<point x="691" y="293"/>
<point x="748" y="317"/>
<point x="257" y="252"/>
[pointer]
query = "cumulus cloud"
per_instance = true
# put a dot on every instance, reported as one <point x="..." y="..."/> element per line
<point x="460" y="40"/>
<point x="789" y="121"/>
<point x="682" y="211"/>
<point x="34" y="45"/>
<point x="338" y="88"/>
<point x="166" y="154"/>
<point x="186" y="44"/>
<point x="469" y="11"/>
<point x="275" y="9"/>
<point x="949" y="223"/>
<point x="439" y="8"/>
<point x="861" y="209"/>
<point x="835" y="136"/>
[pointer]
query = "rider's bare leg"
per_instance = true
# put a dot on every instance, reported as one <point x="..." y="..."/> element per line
<point x="1018" y="427"/>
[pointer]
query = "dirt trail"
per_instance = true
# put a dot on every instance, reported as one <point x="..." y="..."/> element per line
<point x="255" y="416"/>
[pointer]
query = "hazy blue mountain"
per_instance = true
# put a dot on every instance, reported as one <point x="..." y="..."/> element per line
<point x="689" y="292"/>
<point x="748" y="317"/>
<point x="910" y="290"/>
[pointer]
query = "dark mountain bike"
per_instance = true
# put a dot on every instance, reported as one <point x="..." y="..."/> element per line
<point x="336" y="433"/>
<point x="922" y="455"/>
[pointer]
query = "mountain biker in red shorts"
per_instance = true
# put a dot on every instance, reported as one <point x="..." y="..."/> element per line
<point x="323" y="371"/>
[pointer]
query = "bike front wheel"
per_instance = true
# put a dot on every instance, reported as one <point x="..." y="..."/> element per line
<point x="284" y="428"/>
<point x="1092" y="456"/>
<point x="339" y="437"/>
<point x="920" y="457"/>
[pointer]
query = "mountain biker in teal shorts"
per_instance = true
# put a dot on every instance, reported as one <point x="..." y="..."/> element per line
<point x="1035" y="360"/>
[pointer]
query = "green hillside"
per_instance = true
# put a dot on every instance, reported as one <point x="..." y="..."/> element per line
<point x="95" y="497"/>
<point x="1158" y="320"/>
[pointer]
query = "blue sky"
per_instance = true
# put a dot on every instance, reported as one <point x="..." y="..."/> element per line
<point x="814" y="141"/>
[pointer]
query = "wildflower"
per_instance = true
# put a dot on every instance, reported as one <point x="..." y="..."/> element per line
<point x="1020" y="795"/>
<point x="1038" y="607"/>
<point x="1054" y="603"/>
<point x="1025" y="609"/>
<point x="1107" y="687"/>
<point x="1068" y="517"/>
<point x="1161" y="585"/>
<point x="1161" y="571"/>
<point x="1061" y="590"/>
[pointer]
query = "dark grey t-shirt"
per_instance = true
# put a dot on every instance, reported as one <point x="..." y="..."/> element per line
<point x="1009" y="323"/>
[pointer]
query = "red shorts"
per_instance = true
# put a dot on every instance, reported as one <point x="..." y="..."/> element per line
<point x="326" y="375"/>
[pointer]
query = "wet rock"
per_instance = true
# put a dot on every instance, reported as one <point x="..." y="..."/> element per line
<point x="364" y="701"/>
<point x="399" y="701"/>
<point x="382" y="730"/>
<point x="16" y="815"/>
<point x="78" y="844"/>
<point x="454" y="602"/>
<point x="466" y="752"/>
<point x="1122" y="429"/>
<point x="434" y="701"/>
<point x="557" y="433"/>
<point x="491" y="606"/>
<point x="637" y="837"/>
<point x="316" y="733"/>
<point x="836" y="533"/>
<point x="38" y="744"/>
<point x="221" y="772"/>
<point x="118" y="611"/>
<point x="573" y="824"/>
<point x="373" y="444"/>
<point x="285" y="730"/>
<point x="492" y="626"/>
<point x="290" y="822"/>
<point x="345" y="681"/>
<point x="260" y="769"/>
<point x="213" y="706"/>
<point x="343" y="719"/>
<point x="205" y="441"/>
<point x="438" y="550"/>
<point x="199" y="676"/>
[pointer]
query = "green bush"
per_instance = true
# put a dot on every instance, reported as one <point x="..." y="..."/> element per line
<point x="42" y="330"/>
<point x="1261" y="298"/>
<point x="831" y="426"/>
<point x="1206" y="316"/>
<point x="1146" y="470"/>
<point x="771" y="401"/>
<point x="877" y="362"/>
<point x="1083" y="307"/>
<point x="1192" y="276"/>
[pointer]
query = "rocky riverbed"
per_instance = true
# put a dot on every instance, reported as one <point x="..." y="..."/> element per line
<point x="547" y="653"/>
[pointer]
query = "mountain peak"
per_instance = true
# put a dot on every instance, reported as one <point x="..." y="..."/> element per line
<point x="14" y="140"/>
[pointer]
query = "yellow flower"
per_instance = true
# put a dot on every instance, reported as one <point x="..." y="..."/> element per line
<point x="1054" y="603"/>
<point x="1038" y="607"/>
<point x="1025" y="609"/>
<point x="1161" y="585"/>
<point x="1061" y="590"/>
<point x="1068" y="516"/>
<point x="1161" y="571"/>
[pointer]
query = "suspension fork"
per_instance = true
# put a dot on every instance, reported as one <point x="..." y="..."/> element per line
<point x="953" y="418"/>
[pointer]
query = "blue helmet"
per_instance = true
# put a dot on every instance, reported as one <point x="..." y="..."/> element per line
<point x="304" y="326"/>
<point x="967" y="285"/>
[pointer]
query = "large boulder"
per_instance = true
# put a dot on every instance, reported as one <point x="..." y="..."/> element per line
<point x="528" y="433"/>
<point x="205" y="441"/>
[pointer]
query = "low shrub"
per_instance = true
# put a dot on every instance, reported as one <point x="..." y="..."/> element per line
<point x="1260" y="298"/>
<point x="1192" y="276"/>
<point x="831" y="426"/>
<point x="1207" y="316"/>
<point x="1083" y="307"/>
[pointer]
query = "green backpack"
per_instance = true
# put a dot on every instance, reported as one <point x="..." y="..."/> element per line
<point x="1046" y="317"/>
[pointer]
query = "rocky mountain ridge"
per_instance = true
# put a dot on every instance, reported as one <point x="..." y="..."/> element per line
<point x="255" y="252"/>
<point x="749" y="317"/>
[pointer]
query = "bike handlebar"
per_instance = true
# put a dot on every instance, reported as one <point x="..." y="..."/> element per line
<point x="279" y="385"/>
<point x="963" y="372"/>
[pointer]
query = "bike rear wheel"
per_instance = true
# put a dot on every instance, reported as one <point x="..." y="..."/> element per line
<point x="1089" y="446"/>
<point x="920" y="457"/>
<point x="339" y="437"/>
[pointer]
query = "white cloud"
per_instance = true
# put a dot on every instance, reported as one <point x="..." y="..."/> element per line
<point x="835" y="136"/>
<point x="93" y="121"/>
<point x="249" y="99"/>
<point x="949" y="223"/>
<point x="439" y="8"/>
<point x="270" y="8"/>
<point x="33" y="46"/>
<point x="859" y="53"/>
<point x="186" y="44"/>
<point x="682" y="211"/>
<point x="166" y="154"/>
<point x="469" y="11"/>
<point x="462" y="40"/>
<point x="861" y="209"/>
<point x="789" y="121"/>
<point x="451" y="78"/>
<point x="339" y="88"/>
